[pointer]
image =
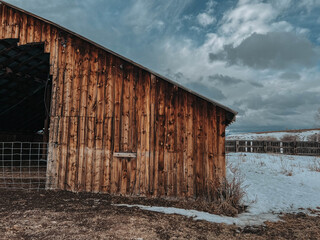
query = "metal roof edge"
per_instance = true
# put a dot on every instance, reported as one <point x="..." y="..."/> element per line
<point x="125" y="59"/>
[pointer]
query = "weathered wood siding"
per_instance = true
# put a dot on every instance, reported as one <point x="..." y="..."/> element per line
<point x="102" y="104"/>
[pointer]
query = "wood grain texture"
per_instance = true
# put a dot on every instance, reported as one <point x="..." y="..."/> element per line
<point x="102" y="105"/>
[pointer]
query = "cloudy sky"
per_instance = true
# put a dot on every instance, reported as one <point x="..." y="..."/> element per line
<point x="261" y="58"/>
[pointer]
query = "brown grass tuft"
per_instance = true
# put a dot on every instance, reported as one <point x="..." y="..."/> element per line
<point x="315" y="165"/>
<point x="227" y="199"/>
<point x="289" y="138"/>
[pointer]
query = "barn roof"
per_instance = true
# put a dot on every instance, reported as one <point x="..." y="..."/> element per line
<point x="231" y="114"/>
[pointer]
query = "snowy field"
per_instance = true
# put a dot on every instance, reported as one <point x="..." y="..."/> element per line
<point x="275" y="184"/>
<point x="301" y="136"/>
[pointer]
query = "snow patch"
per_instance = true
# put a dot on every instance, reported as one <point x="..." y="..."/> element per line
<point x="302" y="136"/>
<point x="275" y="184"/>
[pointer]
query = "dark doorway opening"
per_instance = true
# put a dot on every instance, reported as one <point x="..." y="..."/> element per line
<point x="25" y="96"/>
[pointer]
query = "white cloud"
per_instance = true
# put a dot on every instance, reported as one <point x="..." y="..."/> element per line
<point x="242" y="21"/>
<point x="309" y="5"/>
<point x="147" y="15"/>
<point x="205" y="19"/>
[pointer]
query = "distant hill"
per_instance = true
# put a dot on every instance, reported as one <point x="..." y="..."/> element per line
<point x="285" y="135"/>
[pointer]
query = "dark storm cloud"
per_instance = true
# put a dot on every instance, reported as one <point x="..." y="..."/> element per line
<point x="280" y="103"/>
<point x="290" y="76"/>
<point x="224" y="79"/>
<point x="207" y="91"/>
<point x="274" y="50"/>
<point x="197" y="86"/>
<point x="256" y="84"/>
<point x="216" y="56"/>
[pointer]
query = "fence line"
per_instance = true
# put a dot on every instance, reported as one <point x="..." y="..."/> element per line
<point x="23" y="165"/>
<point x="280" y="147"/>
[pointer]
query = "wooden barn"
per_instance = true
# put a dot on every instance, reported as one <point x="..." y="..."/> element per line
<point x="112" y="125"/>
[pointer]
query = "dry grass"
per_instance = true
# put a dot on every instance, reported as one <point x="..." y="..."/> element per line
<point x="315" y="165"/>
<point x="289" y="138"/>
<point x="266" y="138"/>
<point x="228" y="197"/>
<point x="314" y="137"/>
<point x="286" y="168"/>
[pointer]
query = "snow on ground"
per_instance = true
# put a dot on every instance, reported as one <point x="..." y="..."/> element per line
<point x="302" y="136"/>
<point x="275" y="184"/>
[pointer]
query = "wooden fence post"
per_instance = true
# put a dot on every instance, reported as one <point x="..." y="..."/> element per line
<point x="237" y="146"/>
<point x="264" y="144"/>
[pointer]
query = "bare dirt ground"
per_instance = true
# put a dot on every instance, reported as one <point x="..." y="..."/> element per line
<point x="65" y="215"/>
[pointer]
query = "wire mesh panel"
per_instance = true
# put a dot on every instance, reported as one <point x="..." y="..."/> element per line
<point x="23" y="165"/>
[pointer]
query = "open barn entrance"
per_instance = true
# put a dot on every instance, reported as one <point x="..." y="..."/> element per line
<point x="25" y="87"/>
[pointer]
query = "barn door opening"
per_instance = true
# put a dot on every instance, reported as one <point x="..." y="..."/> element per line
<point x="25" y="89"/>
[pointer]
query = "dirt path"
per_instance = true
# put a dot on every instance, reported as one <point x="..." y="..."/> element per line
<point x="64" y="215"/>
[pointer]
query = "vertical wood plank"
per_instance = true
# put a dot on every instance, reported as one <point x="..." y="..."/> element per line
<point x="57" y="83"/>
<point x="140" y="139"/>
<point x="72" y="153"/>
<point x="170" y="139"/>
<point x="1" y="20"/>
<point x="134" y="177"/>
<point x="124" y="141"/>
<point x="90" y="151"/>
<point x="67" y="100"/>
<point x="204" y="149"/>
<point x="197" y="149"/>
<point x="118" y="120"/>
<point x="62" y="150"/>
<point x="23" y="29"/>
<point x="180" y="143"/>
<point x="80" y="177"/>
<point x="84" y="76"/>
<point x="30" y="29"/>
<point x="65" y="158"/>
<point x="165" y="139"/>
<point x="16" y="26"/>
<point x="57" y="70"/>
<point x="74" y="116"/>
<point x="221" y="135"/>
<point x="37" y="31"/>
<point x="91" y="114"/>
<point x="4" y="22"/>
<point x="175" y="155"/>
<point x="100" y="72"/>
<point x="9" y="23"/>
<point x="158" y="125"/>
<point x="64" y="132"/>
<point x="108" y="125"/>
<point x="52" y="173"/>
<point x="146" y="106"/>
<point x="190" y="148"/>
<point x="184" y="111"/>
<point x="54" y="153"/>
<point x="103" y="71"/>
<point x="117" y="123"/>
<point x="210" y="164"/>
<point x="46" y="36"/>
<point x="68" y="79"/>
<point x="215" y="146"/>
<point x="153" y="166"/>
